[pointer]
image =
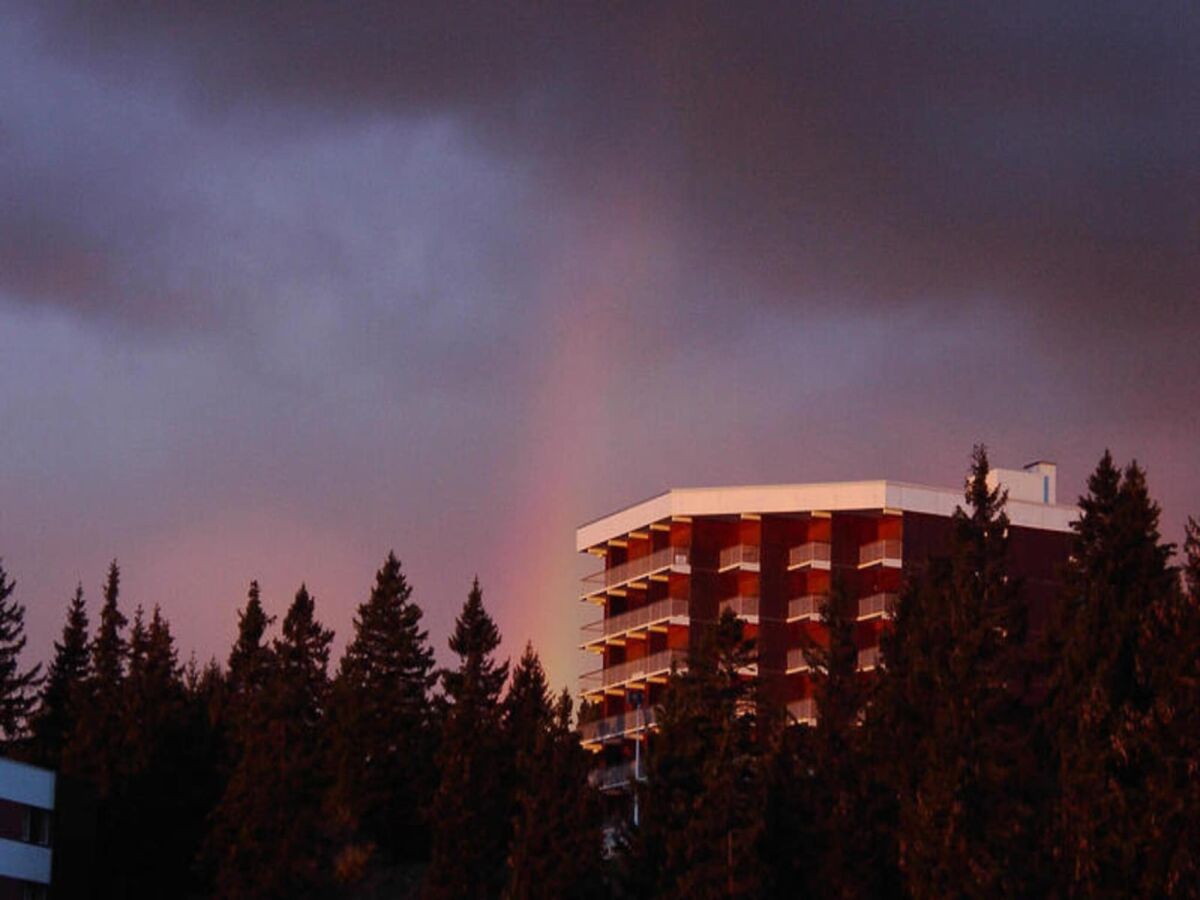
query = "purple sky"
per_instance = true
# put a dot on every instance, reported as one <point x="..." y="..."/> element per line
<point x="284" y="286"/>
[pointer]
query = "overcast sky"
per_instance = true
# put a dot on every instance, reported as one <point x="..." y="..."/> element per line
<point x="283" y="286"/>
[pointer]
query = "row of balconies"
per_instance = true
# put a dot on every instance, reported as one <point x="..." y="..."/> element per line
<point x="660" y="664"/>
<point x="619" y="725"/>
<point x="661" y="560"/>
<point x="630" y="723"/>
<point x="812" y="554"/>
<point x="619" y="674"/>
<point x="664" y="612"/>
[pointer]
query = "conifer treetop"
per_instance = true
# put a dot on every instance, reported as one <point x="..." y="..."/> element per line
<point x="16" y="687"/>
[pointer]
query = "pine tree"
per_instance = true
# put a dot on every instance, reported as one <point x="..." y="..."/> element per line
<point x="95" y="747"/>
<point x="270" y="835"/>
<point x="705" y="790"/>
<point x="470" y="808"/>
<point x="61" y="694"/>
<point x="558" y="838"/>
<point x="17" y="687"/>
<point x="528" y="715"/>
<point x="850" y="854"/>
<point x="158" y="820"/>
<point x="951" y="695"/>
<point x="250" y="659"/>
<point x="1117" y="581"/>
<point x="1123" y="715"/>
<point x="382" y="728"/>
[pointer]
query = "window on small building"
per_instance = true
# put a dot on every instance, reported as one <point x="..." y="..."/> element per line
<point x="35" y="826"/>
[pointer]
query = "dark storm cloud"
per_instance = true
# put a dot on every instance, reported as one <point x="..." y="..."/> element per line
<point x="868" y="153"/>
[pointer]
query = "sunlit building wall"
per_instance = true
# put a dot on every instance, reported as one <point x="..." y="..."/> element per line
<point x="770" y="554"/>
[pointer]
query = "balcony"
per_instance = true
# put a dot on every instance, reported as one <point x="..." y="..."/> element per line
<point x="618" y="726"/>
<point x="806" y="607"/>
<point x="868" y="659"/>
<point x="660" y="613"/>
<point x="814" y="555"/>
<point x="743" y="607"/>
<point x="796" y="661"/>
<point x="880" y="553"/>
<point x="740" y="556"/>
<point x="620" y="674"/>
<point x="877" y="606"/>
<point x="662" y="560"/>
<point x="618" y="776"/>
<point x="803" y="711"/>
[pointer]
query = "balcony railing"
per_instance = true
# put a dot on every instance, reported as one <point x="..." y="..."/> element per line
<point x="611" y="777"/>
<point x="744" y="555"/>
<point x="660" y="560"/>
<point x="868" y="658"/>
<point x="877" y="605"/>
<point x="887" y="552"/>
<point x="803" y="711"/>
<point x="796" y="661"/>
<point x="743" y="607"/>
<point x="617" y="726"/>
<point x="814" y="553"/>
<point x="642" y="617"/>
<point x="806" y="607"/>
<point x="633" y="670"/>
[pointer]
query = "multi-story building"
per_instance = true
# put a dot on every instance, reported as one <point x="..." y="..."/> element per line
<point x="770" y="554"/>
<point x="26" y="806"/>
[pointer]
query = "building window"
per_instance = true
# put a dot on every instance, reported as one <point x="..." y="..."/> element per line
<point x="36" y="826"/>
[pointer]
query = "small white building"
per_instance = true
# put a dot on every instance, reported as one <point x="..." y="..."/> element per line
<point x="26" y="830"/>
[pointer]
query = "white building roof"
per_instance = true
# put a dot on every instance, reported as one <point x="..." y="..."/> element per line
<point x="837" y="496"/>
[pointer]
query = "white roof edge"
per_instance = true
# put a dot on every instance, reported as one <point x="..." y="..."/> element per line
<point x="830" y="496"/>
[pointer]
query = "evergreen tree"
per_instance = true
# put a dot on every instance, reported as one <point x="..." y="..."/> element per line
<point x="61" y="694"/>
<point x="952" y="697"/>
<point x="17" y="687"/>
<point x="158" y="819"/>
<point x="528" y="716"/>
<point x="95" y="747"/>
<point x="849" y="855"/>
<point x="270" y="836"/>
<point x="470" y="808"/>
<point x="250" y="660"/>
<point x="558" y="838"/>
<point x="1169" y="726"/>
<point x="382" y="728"/>
<point x="1123" y="712"/>
<point x="705" y="790"/>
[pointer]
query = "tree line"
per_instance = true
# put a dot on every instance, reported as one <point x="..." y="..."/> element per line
<point x="979" y="760"/>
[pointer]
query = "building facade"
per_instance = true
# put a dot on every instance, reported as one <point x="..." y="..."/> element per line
<point x="770" y="554"/>
<point x="26" y="830"/>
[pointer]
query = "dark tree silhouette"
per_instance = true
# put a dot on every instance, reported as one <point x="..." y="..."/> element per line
<point x="61" y="695"/>
<point x="471" y="806"/>
<point x="18" y="687"/>
<point x="270" y="836"/>
<point x="705" y="789"/>
<point x="952" y="698"/>
<point x="382" y="723"/>
<point x="558" y="838"/>
<point x="95" y="747"/>
<point x="1126" y="655"/>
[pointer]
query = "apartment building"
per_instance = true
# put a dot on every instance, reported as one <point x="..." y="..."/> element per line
<point x="770" y="554"/>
